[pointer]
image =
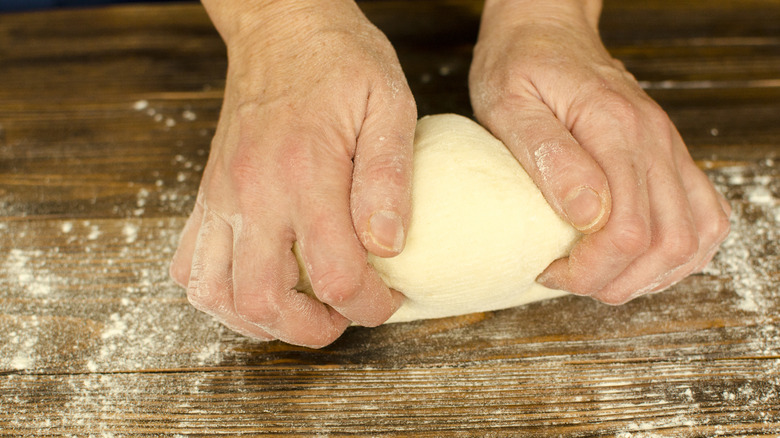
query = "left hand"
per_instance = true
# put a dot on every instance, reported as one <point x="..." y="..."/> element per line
<point x="604" y="154"/>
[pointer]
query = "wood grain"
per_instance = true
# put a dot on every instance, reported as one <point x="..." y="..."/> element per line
<point x="105" y="121"/>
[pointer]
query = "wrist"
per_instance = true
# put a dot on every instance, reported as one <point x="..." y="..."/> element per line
<point x="521" y="12"/>
<point x="241" y="20"/>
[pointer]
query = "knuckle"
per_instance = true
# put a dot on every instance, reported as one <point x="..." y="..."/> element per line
<point x="388" y="170"/>
<point x="635" y="116"/>
<point x="288" y="156"/>
<point x="296" y="157"/>
<point x="179" y="272"/>
<point x="203" y="296"/>
<point x="624" y="112"/>
<point x="244" y="175"/>
<point x="257" y="307"/>
<point x="659" y="121"/>
<point x="633" y="236"/>
<point x="718" y="229"/>
<point x="680" y="247"/>
<point x="336" y="287"/>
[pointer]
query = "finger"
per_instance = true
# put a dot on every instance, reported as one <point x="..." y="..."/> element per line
<point x="335" y="259"/>
<point x="182" y="260"/>
<point x="570" y="179"/>
<point x="210" y="286"/>
<point x="381" y="183"/>
<point x="265" y="273"/>
<point x="600" y="257"/>
<point x="711" y="214"/>
<point x="674" y="242"/>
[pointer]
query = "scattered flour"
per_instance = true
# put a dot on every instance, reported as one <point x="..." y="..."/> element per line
<point x="141" y="105"/>
<point x="132" y="305"/>
<point x="116" y="327"/>
<point x="158" y="114"/>
<point x="761" y="195"/>
<point x="94" y="232"/>
<point x="121" y="303"/>
<point x="21" y="361"/>
<point x="130" y="231"/>
<point x="142" y="198"/>
<point x="748" y="257"/>
<point x="189" y="116"/>
<point x="27" y="269"/>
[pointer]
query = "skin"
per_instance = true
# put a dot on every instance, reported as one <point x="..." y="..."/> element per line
<point x="650" y="216"/>
<point x="314" y="146"/>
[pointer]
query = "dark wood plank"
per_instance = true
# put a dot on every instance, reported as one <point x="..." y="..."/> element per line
<point x="492" y="399"/>
<point x="105" y="121"/>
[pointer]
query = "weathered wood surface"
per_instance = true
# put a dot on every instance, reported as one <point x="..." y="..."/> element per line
<point x="105" y="121"/>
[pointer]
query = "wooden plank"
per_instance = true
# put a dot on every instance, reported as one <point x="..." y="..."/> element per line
<point x="105" y="121"/>
<point x="669" y="398"/>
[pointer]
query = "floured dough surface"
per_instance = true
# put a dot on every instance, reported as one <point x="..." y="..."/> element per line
<point x="481" y="231"/>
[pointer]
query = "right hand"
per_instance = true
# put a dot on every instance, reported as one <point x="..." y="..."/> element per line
<point x="314" y="146"/>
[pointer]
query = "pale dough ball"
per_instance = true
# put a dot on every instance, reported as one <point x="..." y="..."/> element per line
<point x="481" y="231"/>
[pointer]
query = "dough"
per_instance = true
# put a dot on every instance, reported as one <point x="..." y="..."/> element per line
<point x="481" y="231"/>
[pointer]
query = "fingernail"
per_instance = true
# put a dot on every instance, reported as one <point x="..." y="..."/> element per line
<point x="583" y="208"/>
<point x="387" y="230"/>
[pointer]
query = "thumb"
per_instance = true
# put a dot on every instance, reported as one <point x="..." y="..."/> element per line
<point x="570" y="179"/>
<point x="382" y="176"/>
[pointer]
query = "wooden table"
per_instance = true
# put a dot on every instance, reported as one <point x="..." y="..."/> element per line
<point x="105" y="121"/>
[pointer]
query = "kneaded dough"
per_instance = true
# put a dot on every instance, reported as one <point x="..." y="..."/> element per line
<point x="480" y="232"/>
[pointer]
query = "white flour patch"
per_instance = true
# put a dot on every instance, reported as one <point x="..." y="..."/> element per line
<point x="21" y="361"/>
<point x="761" y="195"/>
<point x="20" y="346"/>
<point x="211" y="353"/>
<point x="141" y="105"/>
<point x="94" y="232"/>
<point x="189" y="116"/>
<point x="30" y="274"/>
<point x="142" y="197"/>
<point x="117" y="326"/>
<point x="130" y="231"/>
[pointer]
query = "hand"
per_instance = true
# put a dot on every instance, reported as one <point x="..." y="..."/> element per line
<point x="314" y="146"/>
<point x="606" y="157"/>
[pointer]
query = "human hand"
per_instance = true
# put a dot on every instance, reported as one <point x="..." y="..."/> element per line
<point x="604" y="154"/>
<point x="314" y="147"/>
